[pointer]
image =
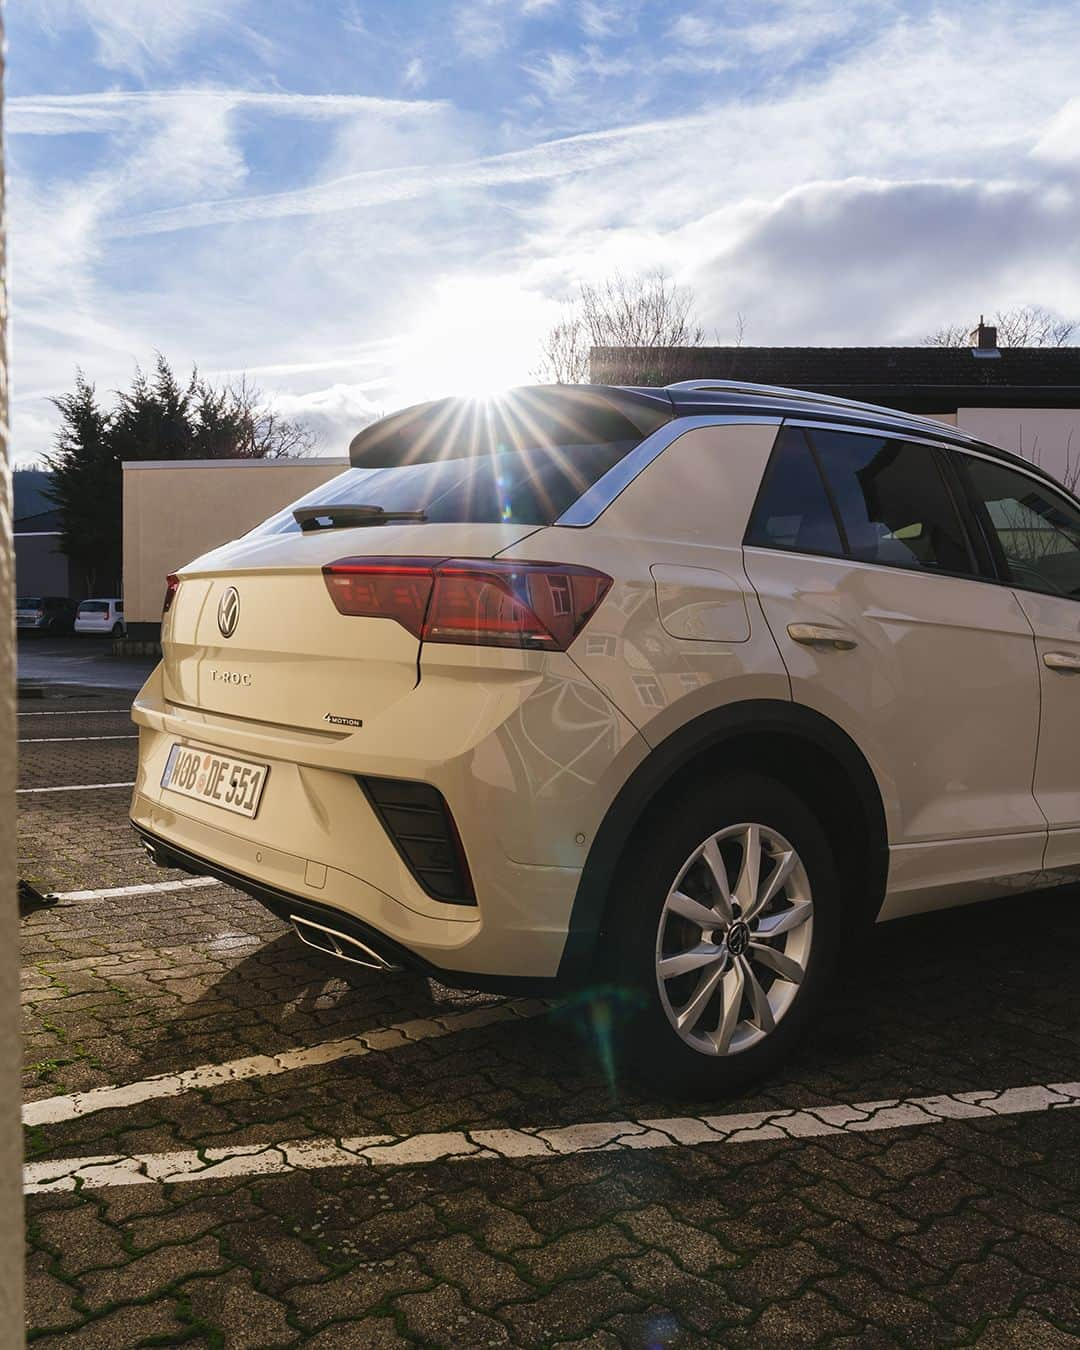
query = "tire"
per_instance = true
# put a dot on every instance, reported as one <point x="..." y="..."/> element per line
<point x="118" y="630"/>
<point x="716" y="1054"/>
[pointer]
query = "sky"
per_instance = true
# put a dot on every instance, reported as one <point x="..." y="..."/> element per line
<point x="365" y="203"/>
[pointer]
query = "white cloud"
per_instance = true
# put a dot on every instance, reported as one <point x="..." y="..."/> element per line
<point x="134" y="34"/>
<point x="693" y="29"/>
<point x="415" y="74"/>
<point x="65" y="114"/>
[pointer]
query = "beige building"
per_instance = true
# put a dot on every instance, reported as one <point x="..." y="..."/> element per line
<point x="177" y="509"/>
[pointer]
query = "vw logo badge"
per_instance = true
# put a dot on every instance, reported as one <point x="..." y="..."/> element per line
<point x="228" y="612"/>
<point x="738" y="938"/>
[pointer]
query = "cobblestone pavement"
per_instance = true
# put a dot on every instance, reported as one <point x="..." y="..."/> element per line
<point x="803" y="1222"/>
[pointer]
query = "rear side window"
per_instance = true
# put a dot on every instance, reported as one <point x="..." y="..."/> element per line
<point x="1037" y="529"/>
<point x="792" y="510"/>
<point x="893" y="503"/>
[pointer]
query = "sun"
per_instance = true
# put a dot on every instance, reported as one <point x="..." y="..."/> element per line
<point x="478" y="338"/>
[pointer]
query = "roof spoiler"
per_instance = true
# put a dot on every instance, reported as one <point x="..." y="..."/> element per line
<point x="529" y="416"/>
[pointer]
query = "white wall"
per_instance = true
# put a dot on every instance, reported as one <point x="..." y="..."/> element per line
<point x="1050" y="436"/>
<point x="176" y="510"/>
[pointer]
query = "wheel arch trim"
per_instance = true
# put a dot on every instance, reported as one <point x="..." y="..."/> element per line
<point x="697" y="740"/>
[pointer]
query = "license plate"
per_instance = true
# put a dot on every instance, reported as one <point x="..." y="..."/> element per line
<point x="208" y="776"/>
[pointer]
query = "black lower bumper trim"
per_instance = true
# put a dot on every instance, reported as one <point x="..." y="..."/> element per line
<point x="282" y="904"/>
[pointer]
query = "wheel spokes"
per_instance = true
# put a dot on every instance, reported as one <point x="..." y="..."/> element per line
<point x="762" y="1013"/>
<point x="783" y="965"/>
<point x="787" y="919"/>
<point x="727" y="968"/>
<point x="718" y="870"/>
<point x="778" y="878"/>
<point x="689" y="1016"/>
<point x="731" y="992"/>
<point x="689" y="908"/>
<point x="746" y="887"/>
<point x="692" y="959"/>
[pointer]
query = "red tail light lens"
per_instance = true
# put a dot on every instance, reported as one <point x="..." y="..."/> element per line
<point x="383" y="588"/>
<point x="496" y="603"/>
<point x="172" y="585"/>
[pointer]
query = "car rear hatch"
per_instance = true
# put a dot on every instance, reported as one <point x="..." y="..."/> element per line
<point x="315" y="619"/>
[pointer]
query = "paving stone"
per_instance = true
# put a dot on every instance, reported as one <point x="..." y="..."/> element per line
<point x="569" y="1310"/>
<point x="145" y="1276"/>
<point x="49" y="1301"/>
<point x="370" y="1333"/>
<point x="696" y="1302"/>
<point x="485" y="1281"/>
<point x="242" y="1314"/>
<point x="911" y="1321"/>
<point x="575" y="1253"/>
<point x="368" y="1285"/>
<point x="1026" y="1331"/>
<point x="130" y="1326"/>
<point x="441" y="1318"/>
<point x="691" y="1247"/>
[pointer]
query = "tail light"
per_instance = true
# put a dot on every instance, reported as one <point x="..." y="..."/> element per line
<point x="172" y="585"/>
<point x="498" y="603"/>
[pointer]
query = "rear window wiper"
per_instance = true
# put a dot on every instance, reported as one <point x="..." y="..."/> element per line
<point x="339" y="515"/>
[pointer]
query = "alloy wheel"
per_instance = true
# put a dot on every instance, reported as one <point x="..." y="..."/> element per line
<point x="734" y="938"/>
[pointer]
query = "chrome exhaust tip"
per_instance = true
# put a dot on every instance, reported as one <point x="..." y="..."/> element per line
<point x="338" y="944"/>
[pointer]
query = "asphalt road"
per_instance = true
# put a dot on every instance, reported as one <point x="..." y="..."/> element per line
<point x="78" y="659"/>
<point x="362" y="1160"/>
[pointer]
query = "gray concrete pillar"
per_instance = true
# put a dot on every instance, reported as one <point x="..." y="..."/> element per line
<point x="11" y="1201"/>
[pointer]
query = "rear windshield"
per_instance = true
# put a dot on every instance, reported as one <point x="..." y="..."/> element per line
<point x="523" y="460"/>
<point x="29" y="602"/>
<point x="94" y="607"/>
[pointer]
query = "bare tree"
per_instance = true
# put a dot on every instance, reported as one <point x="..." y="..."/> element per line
<point x="259" y="431"/>
<point x="648" y="312"/>
<point x="1024" y="326"/>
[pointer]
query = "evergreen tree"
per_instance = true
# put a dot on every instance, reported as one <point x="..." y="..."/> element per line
<point x="157" y="418"/>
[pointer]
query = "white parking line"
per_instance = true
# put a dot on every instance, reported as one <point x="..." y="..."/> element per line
<point x="50" y="1110"/>
<point x="55" y="740"/>
<point x="77" y="787"/>
<point x="147" y="888"/>
<point x="211" y="1164"/>
<point x="77" y="712"/>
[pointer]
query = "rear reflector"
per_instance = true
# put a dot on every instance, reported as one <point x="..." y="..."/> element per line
<point x="418" y="820"/>
<point x="172" y="585"/>
<point x="496" y="603"/>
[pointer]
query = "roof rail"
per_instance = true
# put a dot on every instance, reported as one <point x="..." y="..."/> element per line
<point x="802" y="396"/>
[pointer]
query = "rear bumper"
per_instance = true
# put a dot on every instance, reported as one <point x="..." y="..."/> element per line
<point x="527" y="756"/>
<point x="288" y="906"/>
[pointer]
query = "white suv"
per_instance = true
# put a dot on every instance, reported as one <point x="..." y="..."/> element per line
<point x="667" y="689"/>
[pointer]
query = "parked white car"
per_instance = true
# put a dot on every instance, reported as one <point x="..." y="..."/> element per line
<point x="663" y="689"/>
<point x="101" y="616"/>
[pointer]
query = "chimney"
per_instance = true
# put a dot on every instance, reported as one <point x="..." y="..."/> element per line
<point x="984" y="337"/>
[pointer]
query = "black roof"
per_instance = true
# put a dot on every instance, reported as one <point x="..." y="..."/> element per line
<point x="913" y="379"/>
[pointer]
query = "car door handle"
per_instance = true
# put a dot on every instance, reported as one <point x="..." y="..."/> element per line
<point x="1061" y="661"/>
<point x="819" y="635"/>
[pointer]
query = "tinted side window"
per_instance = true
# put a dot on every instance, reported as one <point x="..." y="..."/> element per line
<point x="792" y="509"/>
<point x="893" y="502"/>
<point x="1038" y="530"/>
